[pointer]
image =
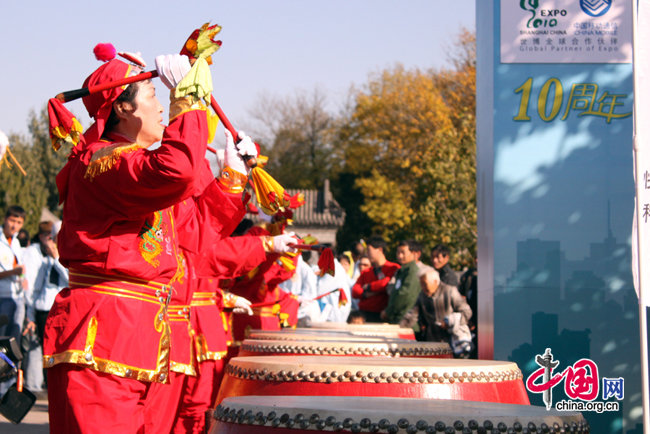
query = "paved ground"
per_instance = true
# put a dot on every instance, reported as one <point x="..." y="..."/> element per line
<point x="34" y="423"/>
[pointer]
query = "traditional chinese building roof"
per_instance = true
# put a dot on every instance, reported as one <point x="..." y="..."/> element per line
<point x="320" y="209"/>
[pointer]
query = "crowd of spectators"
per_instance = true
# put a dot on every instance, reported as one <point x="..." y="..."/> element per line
<point x="30" y="278"/>
<point x="431" y="298"/>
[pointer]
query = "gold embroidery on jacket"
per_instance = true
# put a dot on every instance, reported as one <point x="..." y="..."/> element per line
<point x="203" y="353"/>
<point x="92" y="334"/>
<point x="104" y="158"/>
<point x="182" y="269"/>
<point x="151" y="237"/>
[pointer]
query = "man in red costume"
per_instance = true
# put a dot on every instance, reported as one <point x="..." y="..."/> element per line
<point x="189" y="343"/>
<point x="260" y="286"/>
<point x="107" y="338"/>
<point x="225" y="259"/>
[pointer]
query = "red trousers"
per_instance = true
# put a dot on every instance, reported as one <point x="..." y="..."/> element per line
<point x="199" y="395"/>
<point x="83" y="401"/>
<point x="161" y="404"/>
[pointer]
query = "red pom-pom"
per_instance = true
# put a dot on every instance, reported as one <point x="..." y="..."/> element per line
<point x="104" y="52"/>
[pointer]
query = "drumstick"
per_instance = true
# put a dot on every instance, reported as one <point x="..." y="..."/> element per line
<point x="311" y="247"/>
<point x="72" y="95"/>
<point x="254" y="305"/>
<point x="271" y="303"/>
<point x="326" y="294"/>
<point x="16" y="162"/>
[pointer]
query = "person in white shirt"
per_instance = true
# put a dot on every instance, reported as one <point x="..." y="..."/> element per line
<point x="46" y="277"/>
<point x="303" y="284"/>
<point x="331" y="311"/>
<point x="12" y="282"/>
<point x="358" y="249"/>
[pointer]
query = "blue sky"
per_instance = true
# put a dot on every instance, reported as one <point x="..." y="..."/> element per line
<point x="276" y="47"/>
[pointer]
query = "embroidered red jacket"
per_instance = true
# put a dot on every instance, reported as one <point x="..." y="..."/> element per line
<point x="120" y="241"/>
<point x="260" y="285"/>
<point x="229" y="258"/>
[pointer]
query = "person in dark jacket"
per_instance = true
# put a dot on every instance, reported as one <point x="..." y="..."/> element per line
<point x="440" y="256"/>
<point x="469" y="289"/>
<point x="441" y="314"/>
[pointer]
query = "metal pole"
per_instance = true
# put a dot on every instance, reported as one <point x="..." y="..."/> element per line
<point x="643" y="329"/>
<point x="638" y="167"/>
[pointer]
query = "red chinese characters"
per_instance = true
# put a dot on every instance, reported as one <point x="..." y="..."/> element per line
<point x="581" y="380"/>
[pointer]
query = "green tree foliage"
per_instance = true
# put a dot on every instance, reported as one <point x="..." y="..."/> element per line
<point x="357" y="223"/>
<point x="37" y="189"/>
<point x="50" y="161"/>
<point x="411" y="143"/>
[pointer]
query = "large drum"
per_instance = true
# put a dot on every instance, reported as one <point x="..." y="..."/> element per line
<point x="356" y="347"/>
<point x="309" y="334"/>
<point x="468" y="380"/>
<point x="290" y="414"/>
<point x="403" y="333"/>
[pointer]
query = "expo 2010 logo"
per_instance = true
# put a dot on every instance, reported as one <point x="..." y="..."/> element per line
<point x="542" y="18"/>
<point x="595" y="8"/>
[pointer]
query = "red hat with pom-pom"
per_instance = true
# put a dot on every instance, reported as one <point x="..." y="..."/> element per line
<point x="100" y="105"/>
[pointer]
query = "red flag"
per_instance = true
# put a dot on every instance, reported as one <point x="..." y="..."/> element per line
<point x="252" y="208"/>
<point x="297" y="200"/>
<point x="64" y="127"/>
<point x="326" y="262"/>
<point x="289" y="311"/>
<point x="343" y="299"/>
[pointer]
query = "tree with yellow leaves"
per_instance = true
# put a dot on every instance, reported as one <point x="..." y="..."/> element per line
<point x="411" y="143"/>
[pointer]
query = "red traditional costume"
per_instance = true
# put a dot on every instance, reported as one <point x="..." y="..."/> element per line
<point x="202" y="223"/>
<point x="260" y="286"/>
<point x="120" y="241"/>
<point x="226" y="259"/>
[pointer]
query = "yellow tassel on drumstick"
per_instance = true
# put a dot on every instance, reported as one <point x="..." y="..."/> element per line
<point x="4" y="149"/>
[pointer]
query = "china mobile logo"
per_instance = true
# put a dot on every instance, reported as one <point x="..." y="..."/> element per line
<point x="581" y="382"/>
<point x="595" y="8"/>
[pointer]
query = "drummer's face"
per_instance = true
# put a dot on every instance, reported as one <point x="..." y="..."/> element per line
<point x="148" y="115"/>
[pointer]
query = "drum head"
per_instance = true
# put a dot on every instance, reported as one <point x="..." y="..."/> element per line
<point x="366" y="332"/>
<point x="346" y="326"/>
<point x="357" y="347"/>
<point x="372" y="370"/>
<point x="310" y="335"/>
<point x="369" y="328"/>
<point x="369" y="414"/>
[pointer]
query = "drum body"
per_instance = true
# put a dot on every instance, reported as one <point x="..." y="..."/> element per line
<point x="468" y="380"/>
<point x="257" y="414"/>
<point x="403" y="333"/>
<point x="354" y="347"/>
